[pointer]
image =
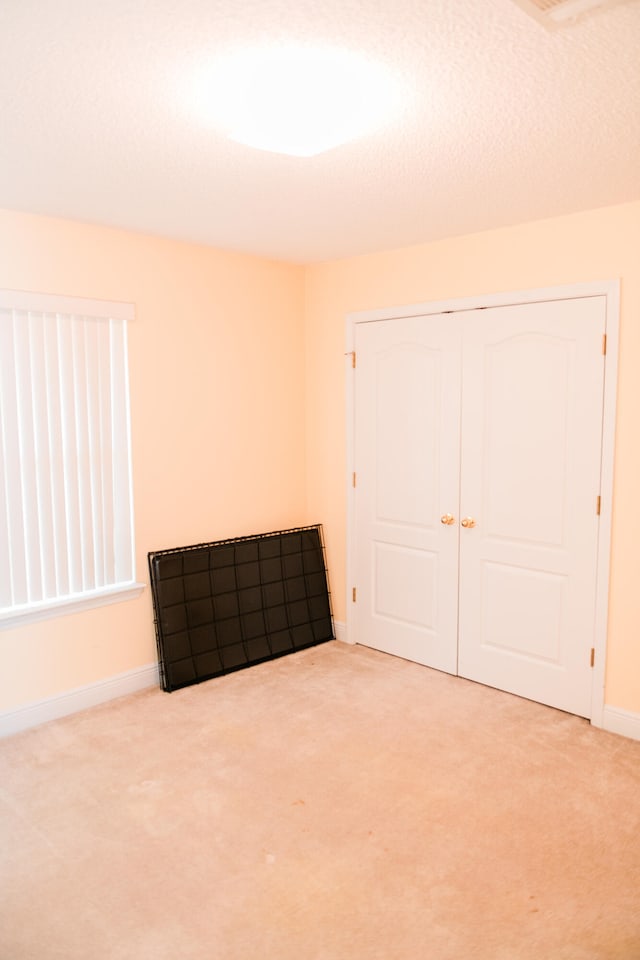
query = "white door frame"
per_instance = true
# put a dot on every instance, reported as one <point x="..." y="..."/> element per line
<point x="610" y="289"/>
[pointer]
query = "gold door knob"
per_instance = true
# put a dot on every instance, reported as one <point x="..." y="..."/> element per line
<point x="447" y="519"/>
<point x="468" y="522"/>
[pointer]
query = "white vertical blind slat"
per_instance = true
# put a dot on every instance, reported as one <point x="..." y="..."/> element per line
<point x="123" y="519"/>
<point x="107" y="361"/>
<point x="83" y="464"/>
<point x="15" y="504"/>
<point x="6" y="580"/>
<point x="66" y="392"/>
<point x="92" y="393"/>
<point x="42" y="506"/>
<point x="56" y="460"/>
<point x="13" y="575"/>
<point x="28" y="460"/>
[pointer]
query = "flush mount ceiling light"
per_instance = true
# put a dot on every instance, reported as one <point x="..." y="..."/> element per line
<point x="299" y="101"/>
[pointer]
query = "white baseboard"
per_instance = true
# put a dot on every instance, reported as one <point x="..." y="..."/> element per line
<point x="33" y="714"/>
<point x="620" y="721"/>
<point x="614" y="719"/>
<point x="340" y="630"/>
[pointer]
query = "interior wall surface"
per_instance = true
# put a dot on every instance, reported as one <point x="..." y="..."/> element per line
<point x="217" y="417"/>
<point x="218" y="400"/>
<point x="595" y="245"/>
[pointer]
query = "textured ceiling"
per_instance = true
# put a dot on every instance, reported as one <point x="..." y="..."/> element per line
<point x="504" y="122"/>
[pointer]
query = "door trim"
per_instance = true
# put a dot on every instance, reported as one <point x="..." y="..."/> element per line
<point x="610" y="289"/>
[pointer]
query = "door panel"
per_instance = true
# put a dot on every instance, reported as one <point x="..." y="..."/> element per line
<point x="405" y="584"/>
<point x="507" y="591"/>
<point x="531" y="445"/>
<point x="531" y="437"/>
<point x="407" y="416"/>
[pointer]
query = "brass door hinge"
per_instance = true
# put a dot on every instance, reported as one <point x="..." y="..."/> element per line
<point x="354" y="478"/>
<point x="604" y="344"/>
<point x="598" y="504"/>
<point x="353" y="359"/>
<point x="593" y="655"/>
<point x="353" y="594"/>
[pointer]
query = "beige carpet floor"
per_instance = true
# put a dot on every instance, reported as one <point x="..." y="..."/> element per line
<point x="337" y="803"/>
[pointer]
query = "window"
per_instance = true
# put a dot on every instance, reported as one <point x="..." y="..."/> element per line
<point x="66" y="512"/>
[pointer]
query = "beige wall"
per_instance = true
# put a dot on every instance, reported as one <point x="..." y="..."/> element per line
<point x="596" y="245"/>
<point x="217" y="409"/>
<point x="218" y="400"/>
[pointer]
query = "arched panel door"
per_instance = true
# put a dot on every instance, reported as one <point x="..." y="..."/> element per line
<point x="478" y="454"/>
<point x="530" y="477"/>
<point x="407" y="475"/>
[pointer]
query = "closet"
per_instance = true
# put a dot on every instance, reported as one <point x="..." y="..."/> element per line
<point x="477" y="447"/>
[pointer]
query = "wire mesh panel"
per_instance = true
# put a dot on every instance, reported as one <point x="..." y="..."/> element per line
<point x="230" y="604"/>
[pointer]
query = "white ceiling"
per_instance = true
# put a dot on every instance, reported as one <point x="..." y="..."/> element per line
<point x="505" y="121"/>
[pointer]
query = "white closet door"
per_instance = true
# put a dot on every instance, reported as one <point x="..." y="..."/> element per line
<point x="407" y="459"/>
<point x="530" y="474"/>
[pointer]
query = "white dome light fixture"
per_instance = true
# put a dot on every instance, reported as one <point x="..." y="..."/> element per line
<point x="300" y="101"/>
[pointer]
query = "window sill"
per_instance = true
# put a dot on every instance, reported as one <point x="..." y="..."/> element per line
<point x="30" y="613"/>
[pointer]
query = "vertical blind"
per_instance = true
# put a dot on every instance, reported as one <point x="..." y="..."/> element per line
<point x="66" y="520"/>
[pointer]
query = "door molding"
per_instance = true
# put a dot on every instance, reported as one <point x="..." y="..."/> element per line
<point x="610" y="289"/>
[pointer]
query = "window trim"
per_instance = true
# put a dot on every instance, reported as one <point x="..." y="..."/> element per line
<point x="54" y="303"/>
<point x="49" y="609"/>
<point x="53" y="607"/>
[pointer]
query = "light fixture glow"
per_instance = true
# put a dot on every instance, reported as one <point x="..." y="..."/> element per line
<point x="299" y="101"/>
